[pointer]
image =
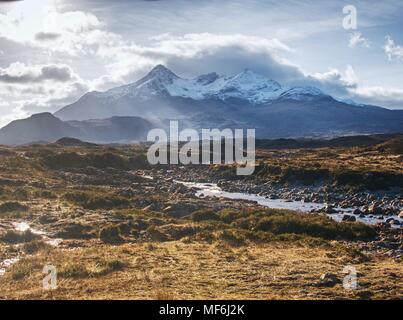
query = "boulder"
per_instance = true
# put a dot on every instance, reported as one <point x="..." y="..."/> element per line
<point x="393" y="221"/>
<point x="329" y="209"/>
<point x="349" y="218"/>
<point x="329" y="280"/>
<point x="375" y="209"/>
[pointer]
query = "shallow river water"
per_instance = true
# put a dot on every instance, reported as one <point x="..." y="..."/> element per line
<point x="212" y="190"/>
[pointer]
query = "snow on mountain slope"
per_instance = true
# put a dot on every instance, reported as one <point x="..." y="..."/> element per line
<point x="211" y="101"/>
<point x="301" y="93"/>
<point x="161" y="94"/>
<point x="246" y="85"/>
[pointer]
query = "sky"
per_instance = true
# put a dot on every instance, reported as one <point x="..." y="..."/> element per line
<point x="54" y="51"/>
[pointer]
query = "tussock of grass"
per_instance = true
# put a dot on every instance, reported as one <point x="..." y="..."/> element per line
<point x="12" y="206"/>
<point x="277" y="222"/>
<point x="156" y="235"/>
<point x="14" y="237"/>
<point x="232" y="238"/>
<point x="35" y="246"/>
<point x="202" y="215"/>
<point x="76" y="231"/>
<point x="97" y="268"/>
<point x="315" y="226"/>
<point x="44" y="194"/>
<point x="102" y="160"/>
<point x="111" y="234"/>
<point x="179" y="231"/>
<point x="238" y="227"/>
<point x="93" y="201"/>
<point x="24" y="268"/>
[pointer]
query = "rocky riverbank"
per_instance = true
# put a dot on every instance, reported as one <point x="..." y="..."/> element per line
<point x="383" y="205"/>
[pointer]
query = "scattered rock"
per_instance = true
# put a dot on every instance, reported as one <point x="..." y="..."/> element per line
<point x="375" y="209"/>
<point x="393" y="221"/>
<point x="349" y="218"/>
<point x="329" y="280"/>
<point x="329" y="209"/>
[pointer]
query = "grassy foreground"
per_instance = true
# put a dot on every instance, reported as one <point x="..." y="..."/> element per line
<point x="177" y="270"/>
<point x="127" y="231"/>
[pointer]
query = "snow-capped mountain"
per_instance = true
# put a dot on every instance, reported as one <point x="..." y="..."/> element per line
<point x="246" y="85"/>
<point x="244" y="100"/>
<point x="167" y="93"/>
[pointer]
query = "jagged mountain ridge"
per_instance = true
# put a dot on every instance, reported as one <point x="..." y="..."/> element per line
<point x="245" y="100"/>
<point x="246" y="87"/>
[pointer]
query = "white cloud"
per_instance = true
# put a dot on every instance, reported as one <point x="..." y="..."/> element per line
<point x="28" y="89"/>
<point x="334" y="82"/>
<point x="346" y="85"/>
<point x="348" y="79"/>
<point x="18" y="72"/>
<point x="380" y="92"/>
<point x="191" y="53"/>
<point x="378" y="95"/>
<point x="392" y="50"/>
<point x="38" y="24"/>
<point x="356" y="38"/>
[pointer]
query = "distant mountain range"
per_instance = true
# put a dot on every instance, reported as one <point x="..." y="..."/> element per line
<point x="45" y="127"/>
<point x="245" y="100"/>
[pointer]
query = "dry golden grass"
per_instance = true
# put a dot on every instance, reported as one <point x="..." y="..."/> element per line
<point x="187" y="269"/>
<point x="174" y="270"/>
<point x="333" y="159"/>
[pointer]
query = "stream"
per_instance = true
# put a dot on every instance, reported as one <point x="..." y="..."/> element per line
<point x="213" y="190"/>
<point x="23" y="227"/>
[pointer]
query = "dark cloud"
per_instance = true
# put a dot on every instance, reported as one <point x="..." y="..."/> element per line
<point x="47" y="36"/>
<point x="26" y="74"/>
<point x="57" y="73"/>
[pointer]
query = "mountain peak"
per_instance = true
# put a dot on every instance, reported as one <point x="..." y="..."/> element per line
<point x="44" y="116"/>
<point x="162" y="72"/>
